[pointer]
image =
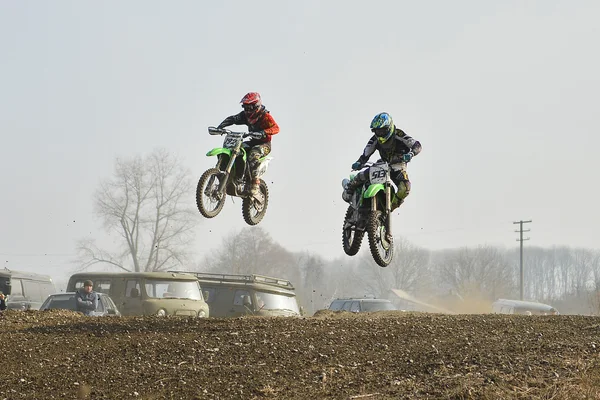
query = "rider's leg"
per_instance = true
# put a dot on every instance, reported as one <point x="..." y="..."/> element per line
<point x="239" y="170"/>
<point x="254" y="154"/>
<point x="400" y="178"/>
<point x="354" y="184"/>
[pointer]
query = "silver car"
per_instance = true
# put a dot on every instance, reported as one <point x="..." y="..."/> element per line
<point x="66" y="301"/>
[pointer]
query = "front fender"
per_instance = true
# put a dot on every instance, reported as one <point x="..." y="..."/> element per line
<point x="219" y="150"/>
<point x="372" y="190"/>
<point x="222" y="150"/>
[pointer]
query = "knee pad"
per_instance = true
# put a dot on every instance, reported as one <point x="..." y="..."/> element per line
<point x="403" y="189"/>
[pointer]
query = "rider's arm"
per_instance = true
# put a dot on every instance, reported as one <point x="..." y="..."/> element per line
<point x="369" y="150"/>
<point x="237" y="119"/>
<point x="95" y="302"/>
<point x="412" y="144"/>
<point x="269" y="126"/>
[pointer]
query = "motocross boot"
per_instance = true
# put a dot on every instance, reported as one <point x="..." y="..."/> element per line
<point x="350" y="189"/>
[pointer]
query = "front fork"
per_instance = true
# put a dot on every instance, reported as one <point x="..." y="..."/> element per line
<point x="388" y="208"/>
<point x="223" y="182"/>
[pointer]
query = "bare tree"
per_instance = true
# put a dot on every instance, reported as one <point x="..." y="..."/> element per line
<point x="595" y="269"/>
<point x="146" y="204"/>
<point x="583" y="260"/>
<point x="252" y="251"/>
<point x="479" y="273"/>
<point x="595" y="277"/>
<point x="342" y="277"/>
<point x="540" y="272"/>
<point x="409" y="270"/>
<point x="232" y="256"/>
<point x="313" y="284"/>
<point x="564" y="261"/>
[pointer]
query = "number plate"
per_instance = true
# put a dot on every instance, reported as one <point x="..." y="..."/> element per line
<point x="378" y="174"/>
<point x="231" y="141"/>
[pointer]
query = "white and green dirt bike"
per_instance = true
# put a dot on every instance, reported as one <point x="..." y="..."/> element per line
<point x="370" y="211"/>
<point x="231" y="176"/>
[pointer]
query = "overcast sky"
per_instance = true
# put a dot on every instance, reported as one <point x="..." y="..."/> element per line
<point x="500" y="94"/>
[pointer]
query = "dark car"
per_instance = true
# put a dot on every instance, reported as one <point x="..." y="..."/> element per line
<point x="362" y="305"/>
<point x="66" y="301"/>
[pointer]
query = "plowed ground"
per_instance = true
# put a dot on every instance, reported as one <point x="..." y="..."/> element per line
<point x="60" y="354"/>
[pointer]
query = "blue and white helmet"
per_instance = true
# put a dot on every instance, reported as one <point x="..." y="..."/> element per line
<point x="383" y="127"/>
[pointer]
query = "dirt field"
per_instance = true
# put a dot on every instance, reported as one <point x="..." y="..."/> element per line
<point x="59" y="354"/>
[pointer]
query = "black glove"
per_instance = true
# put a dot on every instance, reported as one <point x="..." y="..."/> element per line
<point x="257" y="135"/>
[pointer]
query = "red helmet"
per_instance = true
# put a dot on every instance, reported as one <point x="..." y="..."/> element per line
<point x="252" y="105"/>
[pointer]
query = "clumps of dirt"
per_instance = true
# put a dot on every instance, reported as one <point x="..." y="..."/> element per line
<point x="334" y="355"/>
<point x="11" y="319"/>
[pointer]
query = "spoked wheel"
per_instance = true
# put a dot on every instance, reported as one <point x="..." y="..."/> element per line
<point x="381" y="244"/>
<point x="255" y="208"/>
<point x="351" y="238"/>
<point x="209" y="200"/>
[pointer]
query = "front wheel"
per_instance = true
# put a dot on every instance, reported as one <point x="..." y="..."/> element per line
<point x="381" y="241"/>
<point x="209" y="199"/>
<point x="254" y="208"/>
<point x="351" y="238"/>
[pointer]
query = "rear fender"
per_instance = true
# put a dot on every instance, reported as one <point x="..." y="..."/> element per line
<point x="262" y="168"/>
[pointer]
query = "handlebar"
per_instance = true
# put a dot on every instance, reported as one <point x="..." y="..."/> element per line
<point x="220" y="131"/>
<point x="367" y="164"/>
<point x="370" y="164"/>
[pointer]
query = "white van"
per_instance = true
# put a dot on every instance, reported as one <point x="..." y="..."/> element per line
<point x="505" y="306"/>
<point x="25" y="291"/>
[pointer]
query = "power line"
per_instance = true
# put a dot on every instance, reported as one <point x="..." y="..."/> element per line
<point x="521" y="239"/>
<point x="38" y="255"/>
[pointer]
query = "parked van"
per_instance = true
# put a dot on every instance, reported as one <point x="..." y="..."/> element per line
<point x="231" y="295"/>
<point x="24" y="290"/>
<point x="505" y="306"/>
<point x="147" y="293"/>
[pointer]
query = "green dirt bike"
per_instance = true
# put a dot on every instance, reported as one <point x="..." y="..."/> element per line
<point x="231" y="176"/>
<point x="370" y="211"/>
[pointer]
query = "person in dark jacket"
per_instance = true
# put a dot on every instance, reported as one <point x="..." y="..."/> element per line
<point x="86" y="298"/>
<point x="2" y="302"/>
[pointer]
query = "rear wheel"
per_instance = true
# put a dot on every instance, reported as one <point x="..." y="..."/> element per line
<point x="255" y="208"/>
<point x="351" y="238"/>
<point x="380" y="243"/>
<point x="209" y="200"/>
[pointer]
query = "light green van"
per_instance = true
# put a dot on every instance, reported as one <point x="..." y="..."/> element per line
<point x="147" y="293"/>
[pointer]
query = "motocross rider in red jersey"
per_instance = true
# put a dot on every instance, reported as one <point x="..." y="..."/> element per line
<point x="261" y="125"/>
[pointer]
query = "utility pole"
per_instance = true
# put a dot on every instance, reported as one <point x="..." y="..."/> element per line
<point x="521" y="254"/>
